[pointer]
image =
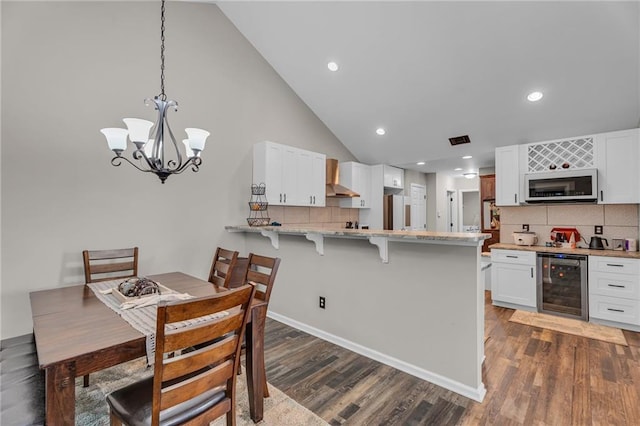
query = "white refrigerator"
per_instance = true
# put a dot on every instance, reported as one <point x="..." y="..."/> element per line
<point x="396" y="212"/>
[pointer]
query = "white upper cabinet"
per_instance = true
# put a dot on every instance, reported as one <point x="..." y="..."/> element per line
<point x="356" y="177"/>
<point x="393" y="177"/>
<point x="293" y="176"/>
<point x="617" y="159"/>
<point x="311" y="179"/>
<point x="508" y="176"/>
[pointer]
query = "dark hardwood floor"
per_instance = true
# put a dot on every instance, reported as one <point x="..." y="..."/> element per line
<point x="533" y="377"/>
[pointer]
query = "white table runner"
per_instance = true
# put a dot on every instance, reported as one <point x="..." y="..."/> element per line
<point x="143" y="316"/>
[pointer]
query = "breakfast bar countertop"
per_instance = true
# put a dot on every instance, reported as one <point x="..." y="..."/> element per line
<point x="584" y="251"/>
<point x="366" y="233"/>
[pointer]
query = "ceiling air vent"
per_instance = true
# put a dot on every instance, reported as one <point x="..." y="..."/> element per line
<point x="458" y="140"/>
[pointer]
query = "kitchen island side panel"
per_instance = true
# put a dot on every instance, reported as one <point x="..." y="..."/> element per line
<point x="425" y="307"/>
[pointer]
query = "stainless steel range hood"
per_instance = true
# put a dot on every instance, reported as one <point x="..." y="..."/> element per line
<point x="334" y="189"/>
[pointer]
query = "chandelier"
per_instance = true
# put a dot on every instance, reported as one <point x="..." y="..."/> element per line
<point x="150" y="152"/>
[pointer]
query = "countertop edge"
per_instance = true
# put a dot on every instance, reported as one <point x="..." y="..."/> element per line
<point x="583" y="251"/>
<point x="366" y="233"/>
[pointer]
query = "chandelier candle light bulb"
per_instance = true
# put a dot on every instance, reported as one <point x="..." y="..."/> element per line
<point x="151" y="151"/>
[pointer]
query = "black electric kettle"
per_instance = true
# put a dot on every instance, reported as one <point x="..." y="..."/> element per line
<point x="596" y="243"/>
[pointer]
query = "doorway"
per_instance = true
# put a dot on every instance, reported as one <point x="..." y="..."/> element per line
<point x="418" y="207"/>
<point x="469" y="210"/>
<point x="452" y="211"/>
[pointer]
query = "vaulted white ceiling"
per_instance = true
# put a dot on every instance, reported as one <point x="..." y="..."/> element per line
<point x="428" y="71"/>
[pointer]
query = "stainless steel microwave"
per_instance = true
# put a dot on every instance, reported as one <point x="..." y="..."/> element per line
<point x="561" y="186"/>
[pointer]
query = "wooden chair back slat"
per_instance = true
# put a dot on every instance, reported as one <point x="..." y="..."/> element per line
<point x="104" y="268"/>
<point x="203" y="306"/>
<point x="111" y="254"/>
<point x="194" y="386"/>
<point x="97" y="263"/>
<point x="215" y="280"/>
<point x="215" y="365"/>
<point x="176" y="340"/>
<point x="199" y="359"/>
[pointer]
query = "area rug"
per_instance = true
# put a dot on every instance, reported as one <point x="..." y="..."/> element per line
<point x="92" y="409"/>
<point x="570" y="326"/>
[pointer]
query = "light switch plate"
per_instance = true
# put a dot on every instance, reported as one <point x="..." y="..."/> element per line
<point x="597" y="229"/>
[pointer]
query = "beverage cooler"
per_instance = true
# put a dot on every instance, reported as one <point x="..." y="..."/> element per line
<point x="562" y="285"/>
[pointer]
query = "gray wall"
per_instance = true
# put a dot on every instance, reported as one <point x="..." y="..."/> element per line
<point x="72" y="68"/>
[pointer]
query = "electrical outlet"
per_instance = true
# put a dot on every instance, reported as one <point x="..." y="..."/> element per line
<point x="525" y="227"/>
<point x="322" y="302"/>
<point x="597" y="229"/>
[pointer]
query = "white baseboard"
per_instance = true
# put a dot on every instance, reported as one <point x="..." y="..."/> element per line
<point x="437" y="379"/>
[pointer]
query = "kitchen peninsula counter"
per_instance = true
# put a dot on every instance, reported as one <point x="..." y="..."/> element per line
<point x="380" y="238"/>
<point x="420" y="309"/>
<point x="562" y="250"/>
<point x="464" y="237"/>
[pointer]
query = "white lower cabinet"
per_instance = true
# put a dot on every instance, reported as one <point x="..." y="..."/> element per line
<point x="614" y="291"/>
<point x="513" y="279"/>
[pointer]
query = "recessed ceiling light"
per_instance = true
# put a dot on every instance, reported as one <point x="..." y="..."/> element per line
<point x="470" y="175"/>
<point x="457" y="169"/>
<point x="420" y="163"/>
<point x="534" y="96"/>
<point x="466" y="157"/>
<point x="380" y="131"/>
<point x="332" y="66"/>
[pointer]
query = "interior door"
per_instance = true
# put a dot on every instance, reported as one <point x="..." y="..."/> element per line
<point x="418" y="207"/>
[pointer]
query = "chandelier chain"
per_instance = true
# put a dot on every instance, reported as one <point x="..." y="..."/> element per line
<point x="162" y="95"/>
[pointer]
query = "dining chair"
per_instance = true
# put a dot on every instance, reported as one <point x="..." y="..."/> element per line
<point x="101" y="265"/>
<point x="197" y="386"/>
<point x="261" y="272"/>
<point x="222" y="267"/>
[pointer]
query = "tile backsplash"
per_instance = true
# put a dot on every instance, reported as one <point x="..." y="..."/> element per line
<point x="331" y="216"/>
<point x="618" y="220"/>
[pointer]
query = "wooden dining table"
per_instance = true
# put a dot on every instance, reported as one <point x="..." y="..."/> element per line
<point x="77" y="334"/>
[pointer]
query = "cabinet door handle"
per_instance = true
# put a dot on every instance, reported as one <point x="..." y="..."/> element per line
<point x="314" y="199"/>
<point x="532" y="272"/>
<point x="615" y="310"/>
<point x="601" y="196"/>
<point x="616" y="265"/>
<point x="285" y="198"/>
<point x="515" y="198"/>
<point x="616" y="286"/>
<point x="280" y="197"/>
<point x="310" y="199"/>
<point x="512" y="256"/>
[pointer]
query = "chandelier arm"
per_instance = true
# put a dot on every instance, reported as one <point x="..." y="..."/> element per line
<point x="138" y="154"/>
<point x="117" y="160"/>
<point x="193" y="162"/>
<point x="158" y="143"/>
<point x="172" y="164"/>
